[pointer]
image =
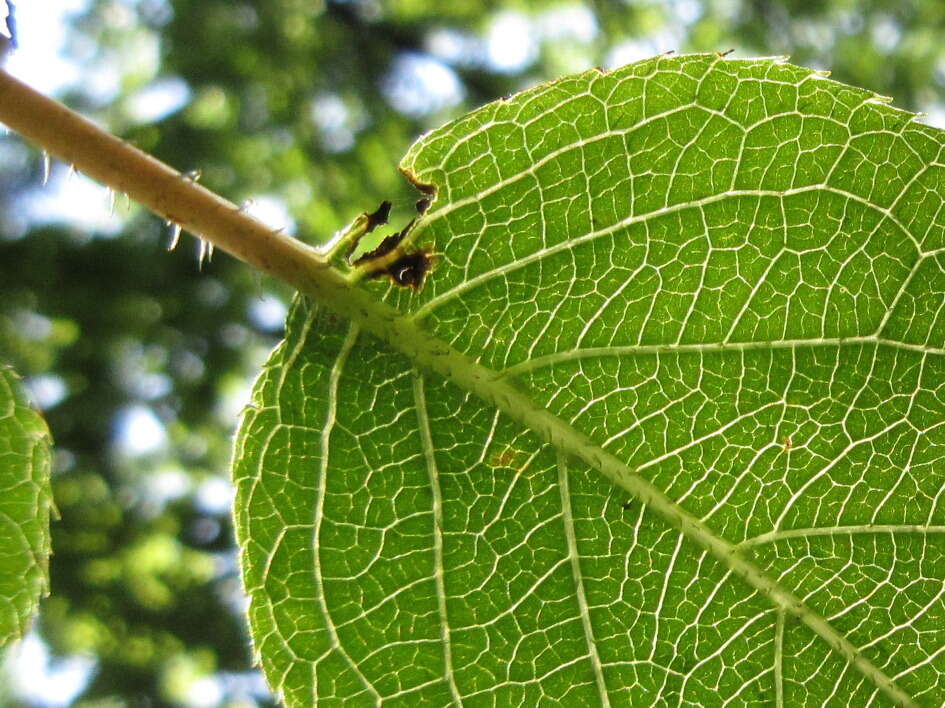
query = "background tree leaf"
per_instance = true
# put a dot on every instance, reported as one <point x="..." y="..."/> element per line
<point x="25" y="503"/>
<point x="727" y="274"/>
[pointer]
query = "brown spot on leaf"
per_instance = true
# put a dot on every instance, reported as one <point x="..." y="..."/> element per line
<point x="506" y="458"/>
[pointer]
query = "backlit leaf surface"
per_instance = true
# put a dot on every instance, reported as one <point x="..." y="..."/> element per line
<point x="25" y="503"/>
<point x="728" y="274"/>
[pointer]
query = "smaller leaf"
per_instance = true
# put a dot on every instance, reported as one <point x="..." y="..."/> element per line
<point x="25" y="503"/>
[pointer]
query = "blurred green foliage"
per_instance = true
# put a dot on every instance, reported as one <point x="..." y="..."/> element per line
<point x="309" y="104"/>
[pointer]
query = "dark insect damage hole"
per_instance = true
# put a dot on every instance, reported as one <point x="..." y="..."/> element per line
<point x="366" y="223"/>
<point x="378" y="217"/>
<point x="384" y="247"/>
<point x="389" y="257"/>
<point x="408" y="271"/>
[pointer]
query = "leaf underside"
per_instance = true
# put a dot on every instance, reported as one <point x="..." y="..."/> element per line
<point x="727" y="273"/>
<point x="25" y="503"/>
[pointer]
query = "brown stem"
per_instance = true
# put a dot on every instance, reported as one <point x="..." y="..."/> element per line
<point x="76" y="141"/>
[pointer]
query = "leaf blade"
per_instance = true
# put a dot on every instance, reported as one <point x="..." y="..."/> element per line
<point x="699" y="384"/>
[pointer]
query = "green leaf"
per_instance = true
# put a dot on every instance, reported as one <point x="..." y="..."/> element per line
<point x="25" y="503"/>
<point x="718" y="283"/>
